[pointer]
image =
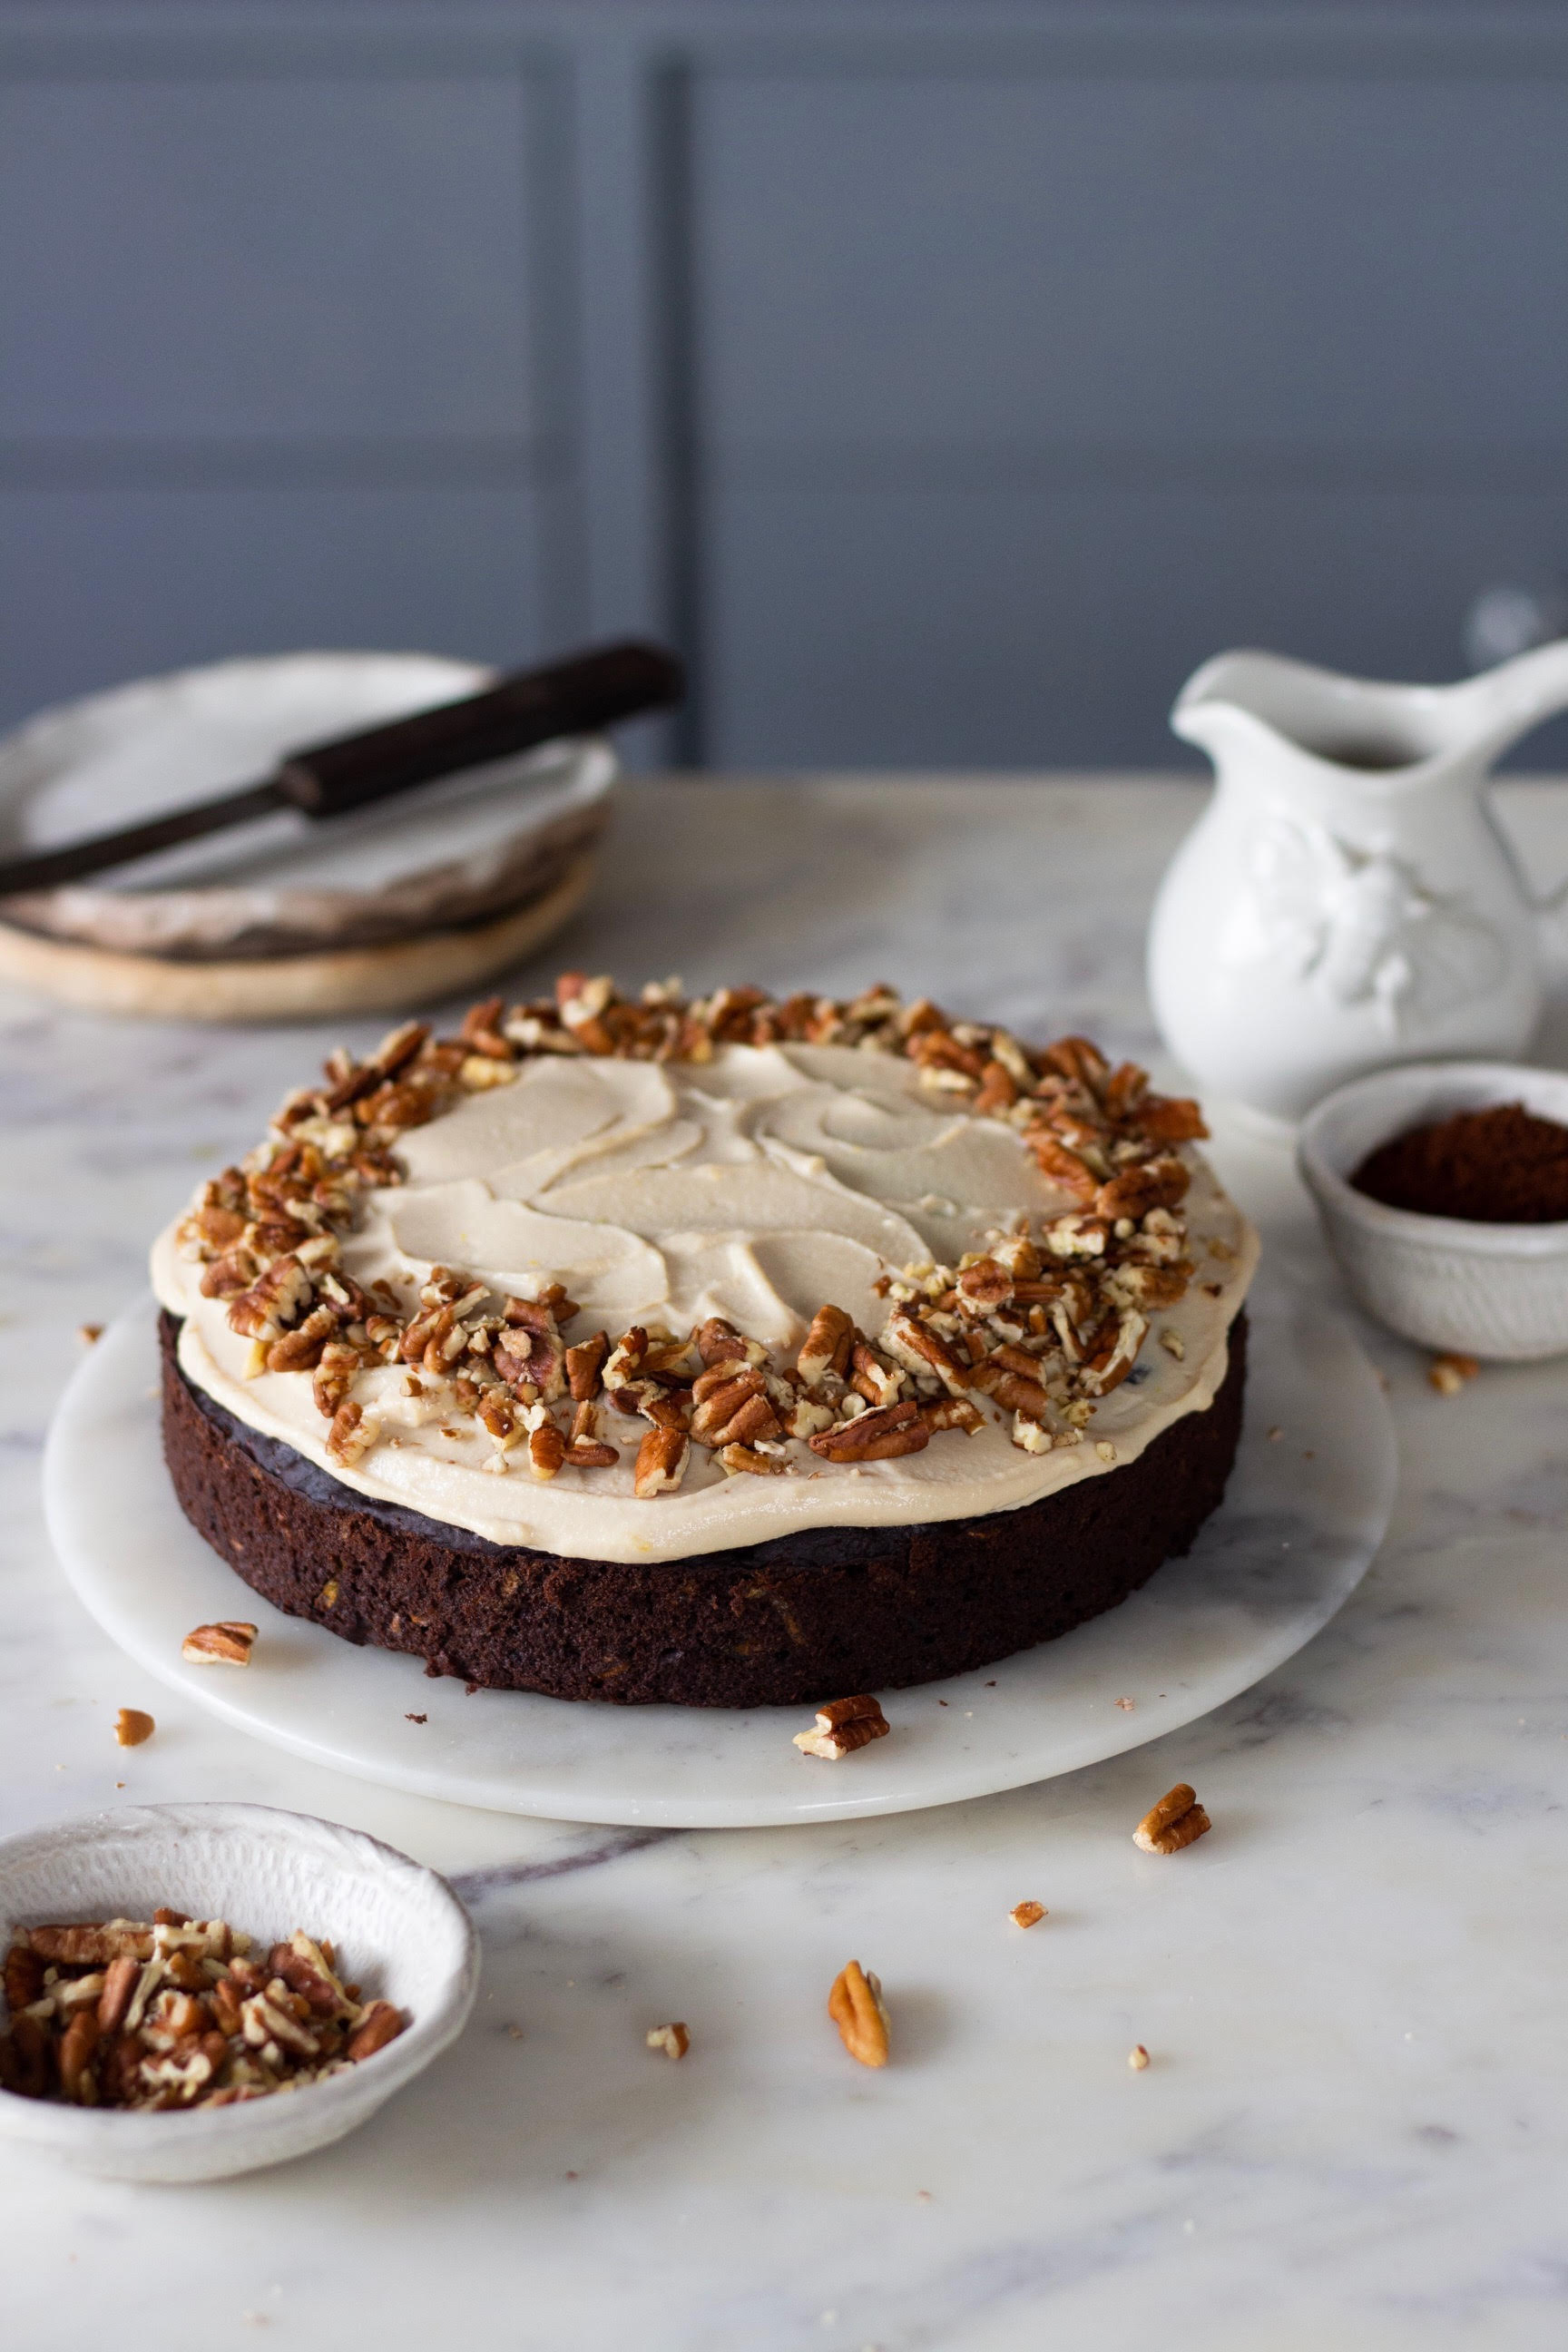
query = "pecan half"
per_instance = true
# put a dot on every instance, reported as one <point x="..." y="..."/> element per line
<point x="842" y="1726"/>
<point x="1156" y="1184"/>
<point x="827" y="1345"/>
<point x="585" y="1365"/>
<point x="227" y="1644"/>
<point x="881" y="1436"/>
<point x="1175" y="1821"/>
<point x="661" y="1463"/>
<point x="857" y="2009"/>
<point x="380" y="2024"/>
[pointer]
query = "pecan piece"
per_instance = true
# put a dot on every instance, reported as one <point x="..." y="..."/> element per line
<point x="1157" y="1184"/>
<point x="661" y="1463"/>
<point x="546" y="1450"/>
<point x="875" y="1436"/>
<point x="301" y="1351"/>
<point x="827" y="1345"/>
<point x="734" y="1411"/>
<point x="843" y="1725"/>
<point x="1026" y="1914"/>
<point x="741" y="1459"/>
<point x="1173" y="1823"/>
<point x="90" y="1943"/>
<point x="857" y="2009"/>
<point x="984" y="1287"/>
<point x="920" y="1350"/>
<point x="591" y="1454"/>
<point x="1171" y="1119"/>
<point x="120" y="1980"/>
<point x="717" y="1341"/>
<point x="673" y="2039"/>
<point x="227" y="1644"/>
<point x="132" y="1726"/>
<point x="354" y="1433"/>
<point x="998" y="1091"/>
<point x="380" y="2024"/>
<point x="76" y="2054"/>
<point x="24" y="1977"/>
<point x="1061" y="1167"/>
<point x="584" y="1366"/>
<point x="953" y="1412"/>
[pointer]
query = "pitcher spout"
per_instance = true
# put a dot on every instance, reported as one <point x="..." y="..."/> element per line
<point x="1315" y="715"/>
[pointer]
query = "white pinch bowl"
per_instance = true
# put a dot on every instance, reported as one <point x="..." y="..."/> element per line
<point x="1493" y="1291"/>
<point x="398" y="1928"/>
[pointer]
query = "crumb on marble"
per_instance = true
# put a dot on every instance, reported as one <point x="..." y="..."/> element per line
<point x="1027" y="1915"/>
<point x="1450" y="1373"/>
<point x="132" y="1726"/>
<point x="1137" y="2057"/>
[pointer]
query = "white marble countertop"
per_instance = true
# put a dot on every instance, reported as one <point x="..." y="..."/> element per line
<point x="1352" y="2130"/>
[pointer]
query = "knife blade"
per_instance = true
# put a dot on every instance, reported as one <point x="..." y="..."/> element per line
<point x="586" y="691"/>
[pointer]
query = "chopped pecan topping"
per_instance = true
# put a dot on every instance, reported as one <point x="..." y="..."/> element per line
<point x="1039" y="1326"/>
<point x="173" y="2012"/>
<point x="132" y="1726"/>
<point x="673" y="2039"/>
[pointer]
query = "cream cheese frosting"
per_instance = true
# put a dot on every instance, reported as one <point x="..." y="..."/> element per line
<point x="753" y="1186"/>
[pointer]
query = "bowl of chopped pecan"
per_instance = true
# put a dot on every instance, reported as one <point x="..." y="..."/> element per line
<point x="170" y="1971"/>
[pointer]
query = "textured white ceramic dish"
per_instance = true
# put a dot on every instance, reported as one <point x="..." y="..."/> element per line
<point x="400" y="1930"/>
<point x="457" y="853"/>
<point x="1496" y="1291"/>
<point x="1302" y="1518"/>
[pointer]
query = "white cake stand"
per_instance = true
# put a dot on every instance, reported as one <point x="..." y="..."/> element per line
<point x="1305" y="1512"/>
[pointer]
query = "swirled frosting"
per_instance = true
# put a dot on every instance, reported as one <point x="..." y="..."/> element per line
<point x="755" y="1187"/>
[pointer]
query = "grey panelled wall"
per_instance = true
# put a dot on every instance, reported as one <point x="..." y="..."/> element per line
<point x="948" y="380"/>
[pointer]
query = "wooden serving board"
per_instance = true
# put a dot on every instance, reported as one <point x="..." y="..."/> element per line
<point x="386" y="977"/>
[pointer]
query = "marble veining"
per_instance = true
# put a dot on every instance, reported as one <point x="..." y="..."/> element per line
<point x="1352" y="2131"/>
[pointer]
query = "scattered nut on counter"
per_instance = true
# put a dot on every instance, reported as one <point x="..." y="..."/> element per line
<point x="89" y="1334"/>
<point x="843" y="1725"/>
<point x="857" y="2009"/>
<point x="227" y="1644"/>
<point x="673" y="2039"/>
<point x="132" y="1726"/>
<point x="1448" y="1374"/>
<point x="1173" y="1823"/>
<point x="176" y="2012"/>
<point x="1026" y="1914"/>
<point x="1138" y="2058"/>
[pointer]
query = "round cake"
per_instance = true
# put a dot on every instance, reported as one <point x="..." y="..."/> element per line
<point x="723" y="1352"/>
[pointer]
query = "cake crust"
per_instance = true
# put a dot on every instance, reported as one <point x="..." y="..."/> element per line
<point x="802" y="1617"/>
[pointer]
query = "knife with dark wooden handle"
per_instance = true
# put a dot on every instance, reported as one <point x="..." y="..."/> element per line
<point x="353" y="771"/>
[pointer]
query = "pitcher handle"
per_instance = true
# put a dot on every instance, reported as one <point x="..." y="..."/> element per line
<point x="1502" y="705"/>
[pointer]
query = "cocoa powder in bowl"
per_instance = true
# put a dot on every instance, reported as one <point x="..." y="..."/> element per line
<point x="1501" y="1166"/>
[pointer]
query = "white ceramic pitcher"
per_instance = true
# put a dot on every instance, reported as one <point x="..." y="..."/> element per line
<point x="1346" y="900"/>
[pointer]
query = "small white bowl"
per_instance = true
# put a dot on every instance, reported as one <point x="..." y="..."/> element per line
<point x="398" y="1928"/>
<point x="1495" y="1291"/>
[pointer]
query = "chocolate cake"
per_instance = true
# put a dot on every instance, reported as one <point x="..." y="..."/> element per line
<point x="723" y="1353"/>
